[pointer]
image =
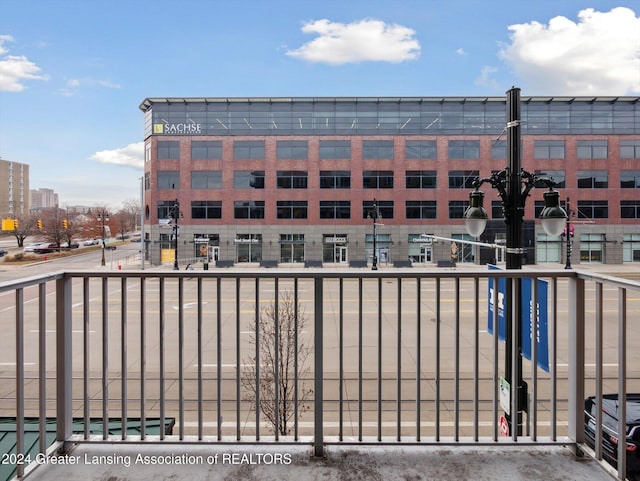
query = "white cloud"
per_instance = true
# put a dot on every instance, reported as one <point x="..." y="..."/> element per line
<point x="130" y="156"/>
<point x="461" y="51"/>
<point x="486" y="78"/>
<point x="14" y="70"/>
<point x="598" y="55"/>
<point x="364" y="40"/>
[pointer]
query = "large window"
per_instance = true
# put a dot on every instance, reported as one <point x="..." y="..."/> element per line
<point x="206" y="149"/>
<point x="248" y="209"/>
<point x="462" y="179"/>
<point x="593" y="209"/>
<point x="168" y="150"/>
<point x="421" y="209"/>
<point x="385" y="208"/>
<point x="593" y="179"/>
<point x="420" y="149"/>
<point x="630" y="209"/>
<point x="377" y="149"/>
<point x="420" y="179"/>
<point x="248" y="150"/>
<point x="335" y="149"/>
<point x="168" y="179"/>
<point x="558" y="176"/>
<point x="630" y="179"/>
<point x="499" y="149"/>
<point x="548" y="149"/>
<point x="592" y="149"/>
<point x="630" y="149"/>
<point x="457" y="208"/>
<point x="291" y="179"/>
<point x="206" y="179"/>
<point x="291" y="247"/>
<point x="377" y="179"/>
<point x="291" y="209"/>
<point x="165" y="208"/>
<point x="464" y="149"/>
<point x="206" y="209"/>
<point x="248" y="179"/>
<point x="335" y="179"/>
<point x="292" y="149"/>
<point x="335" y="209"/>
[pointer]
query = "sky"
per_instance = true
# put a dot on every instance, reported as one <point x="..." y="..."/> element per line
<point x="73" y="73"/>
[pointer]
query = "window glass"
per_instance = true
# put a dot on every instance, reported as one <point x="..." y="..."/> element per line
<point x="206" y="179"/>
<point x="335" y="209"/>
<point x="291" y="209"/>
<point x="206" y="209"/>
<point x="168" y="150"/>
<point x="462" y="179"/>
<point x="335" y="179"/>
<point x="420" y="149"/>
<point x="335" y="149"/>
<point x="248" y="209"/>
<point x="592" y="149"/>
<point x="248" y="150"/>
<point x="377" y="149"/>
<point x="421" y="209"/>
<point x="464" y="149"/>
<point x="548" y="149"/>
<point x="291" y="179"/>
<point x="292" y="149"/>
<point x="420" y="179"/>
<point x="206" y="149"/>
<point x="168" y="179"/>
<point x="248" y="179"/>
<point x="377" y="179"/>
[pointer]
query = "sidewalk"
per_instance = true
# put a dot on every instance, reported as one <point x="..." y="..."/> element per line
<point x="345" y="463"/>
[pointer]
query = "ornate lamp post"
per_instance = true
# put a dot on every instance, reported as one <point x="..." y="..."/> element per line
<point x="569" y="234"/>
<point x="513" y="185"/>
<point x="103" y="217"/>
<point x="175" y="215"/>
<point x="374" y="215"/>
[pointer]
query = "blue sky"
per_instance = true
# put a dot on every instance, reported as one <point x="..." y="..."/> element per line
<point x="74" y="72"/>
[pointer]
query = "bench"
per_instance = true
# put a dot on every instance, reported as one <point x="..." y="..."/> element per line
<point x="357" y="263"/>
<point x="313" y="263"/>
<point x="406" y="263"/>
<point x="265" y="263"/>
<point x="446" y="264"/>
<point x="220" y="263"/>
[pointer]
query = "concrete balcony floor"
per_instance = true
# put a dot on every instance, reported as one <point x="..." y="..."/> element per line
<point x="128" y="462"/>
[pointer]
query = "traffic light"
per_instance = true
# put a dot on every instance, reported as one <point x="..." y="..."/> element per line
<point x="39" y="224"/>
<point x="65" y="224"/>
<point x="16" y="224"/>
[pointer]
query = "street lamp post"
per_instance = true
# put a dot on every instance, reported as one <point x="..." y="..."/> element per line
<point x="569" y="234"/>
<point x="103" y="216"/>
<point x="175" y="213"/>
<point x="374" y="215"/>
<point x="513" y="185"/>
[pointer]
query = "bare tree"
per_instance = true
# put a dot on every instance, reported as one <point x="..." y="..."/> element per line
<point x="280" y="357"/>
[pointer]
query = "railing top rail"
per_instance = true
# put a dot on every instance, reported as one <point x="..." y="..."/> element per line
<point x="30" y="281"/>
<point x="311" y="273"/>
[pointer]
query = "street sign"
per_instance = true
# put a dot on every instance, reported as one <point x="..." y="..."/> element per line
<point x="505" y="396"/>
<point x="527" y="314"/>
<point x="504" y="426"/>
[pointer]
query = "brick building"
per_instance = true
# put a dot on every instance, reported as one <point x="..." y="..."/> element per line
<point x="295" y="179"/>
<point x="14" y="189"/>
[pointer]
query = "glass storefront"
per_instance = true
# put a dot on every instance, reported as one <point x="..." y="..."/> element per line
<point x="291" y="247"/>
<point x="631" y="248"/>
<point x="548" y="248"/>
<point x="248" y="248"/>
<point x="420" y="249"/>
<point x="592" y="247"/>
<point x="335" y="248"/>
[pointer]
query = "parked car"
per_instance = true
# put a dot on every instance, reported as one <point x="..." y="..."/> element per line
<point x="91" y="242"/>
<point x="31" y="247"/>
<point x="73" y="245"/>
<point x="610" y="428"/>
<point x="3" y="252"/>
<point x="46" y="248"/>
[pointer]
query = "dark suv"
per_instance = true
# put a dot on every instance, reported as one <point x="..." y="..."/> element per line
<point x="610" y="428"/>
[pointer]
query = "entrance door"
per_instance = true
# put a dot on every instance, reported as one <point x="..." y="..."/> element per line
<point x="341" y="256"/>
<point x="425" y="254"/>
<point x="214" y="253"/>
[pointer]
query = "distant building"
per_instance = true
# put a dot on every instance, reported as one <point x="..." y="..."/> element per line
<point x="295" y="179"/>
<point x="14" y="189"/>
<point x="43" y="199"/>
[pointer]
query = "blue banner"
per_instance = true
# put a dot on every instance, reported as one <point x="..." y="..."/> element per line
<point x="527" y="334"/>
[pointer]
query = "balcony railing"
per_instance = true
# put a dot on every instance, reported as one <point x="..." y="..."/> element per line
<point x="386" y="357"/>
